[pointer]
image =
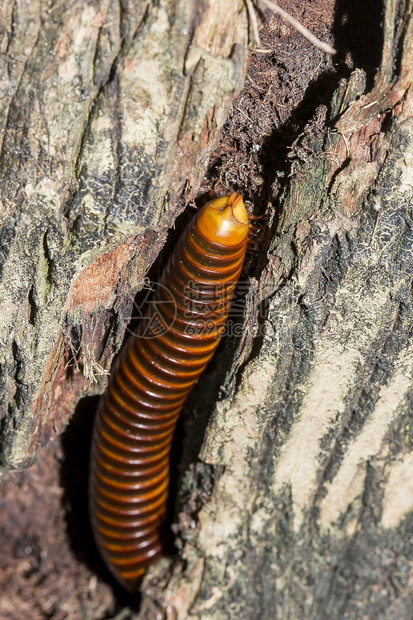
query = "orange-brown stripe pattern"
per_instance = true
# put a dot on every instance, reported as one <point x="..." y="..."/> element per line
<point x="137" y="415"/>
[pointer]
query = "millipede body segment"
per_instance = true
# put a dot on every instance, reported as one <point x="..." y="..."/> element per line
<point x="151" y="378"/>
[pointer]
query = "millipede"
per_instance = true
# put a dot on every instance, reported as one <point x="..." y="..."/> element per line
<point x="149" y="383"/>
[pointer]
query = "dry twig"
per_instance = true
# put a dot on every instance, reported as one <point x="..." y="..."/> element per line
<point x="325" y="47"/>
<point x="253" y="21"/>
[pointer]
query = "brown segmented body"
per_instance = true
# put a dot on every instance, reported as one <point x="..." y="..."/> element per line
<point x="137" y="415"/>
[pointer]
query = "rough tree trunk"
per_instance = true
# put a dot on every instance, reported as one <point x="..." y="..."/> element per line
<point x="300" y="505"/>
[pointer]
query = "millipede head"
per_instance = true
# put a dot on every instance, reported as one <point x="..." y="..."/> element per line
<point x="224" y="220"/>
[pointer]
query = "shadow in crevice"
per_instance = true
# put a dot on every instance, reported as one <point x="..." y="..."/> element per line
<point x="358" y="31"/>
<point x="74" y="475"/>
<point x="358" y="39"/>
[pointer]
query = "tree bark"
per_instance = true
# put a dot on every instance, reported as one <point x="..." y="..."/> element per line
<point x="310" y="515"/>
<point x="300" y="503"/>
<point x="109" y="113"/>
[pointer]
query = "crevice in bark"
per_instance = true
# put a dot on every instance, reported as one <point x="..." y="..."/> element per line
<point x="49" y="264"/>
<point x="7" y="235"/>
<point x="33" y="309"/>
<point x="358" y="31"/>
